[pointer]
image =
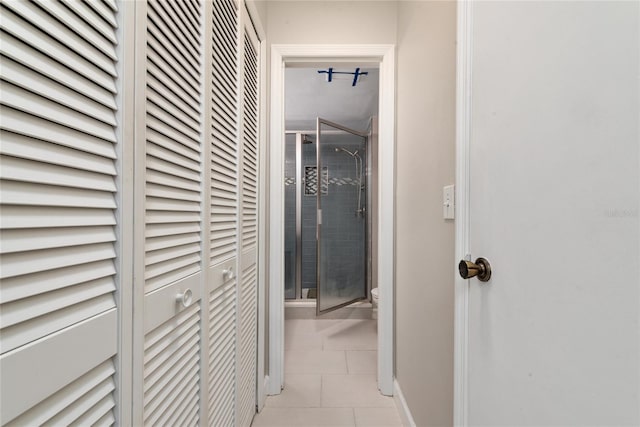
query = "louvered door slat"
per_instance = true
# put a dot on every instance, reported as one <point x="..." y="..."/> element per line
<point x="247" y="345"/>
<point x="20" y="146"/>
<point x="163" y="148"/>
<point x="72" y="20"/>
<point x="63" y="35"/>
<point x="16" y="169"/>
<point x="38" y="39"/>
<point x="74" y="392"/>
<point x="58" y="185"/>
<point x="164" y="180"/>
<point x="17" y="264"/>
<point x="185" y="34"/>
<point x="24" y="54"/>
<point x="169" y="43"/>
<point x="165" y="101"/>
<point x="81" y="409"/>
<point x="169" y="122"/>
<point x="30" y="103"/>
<point x="103" y="10"/>
<point x="88" y="15"/>
<point x="250" y="152"/>
<point x="112" y="4"/>
<point x="160" y="231"/>
<point x="55" y="217"/>
<point x="187" y="14"/>
<point x="30" y="80"/>
<point x="224" y="114"/>
<point x="169" y="78"/>
<point x="17" y="287"/>
<point x="23" y="126"/>
<point x="225" y="121"/>
<point x="175" y="14"/>
<point x="170" y="93"/>
<point x="222" y="351"/>
<point x="170" y="138"/>
<point x="29" y="194"/>
<point x="170" y="157"/>
<point x="171" y="367"/>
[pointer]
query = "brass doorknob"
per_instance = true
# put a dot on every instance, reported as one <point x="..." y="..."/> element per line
<point x="480" y="268"/>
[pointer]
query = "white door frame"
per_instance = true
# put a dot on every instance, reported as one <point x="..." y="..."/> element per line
<point x="462" y="250"/>
<point x="385" y="56"/>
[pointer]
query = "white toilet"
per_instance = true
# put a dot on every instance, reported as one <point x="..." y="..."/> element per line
<point x="374" y="301"/>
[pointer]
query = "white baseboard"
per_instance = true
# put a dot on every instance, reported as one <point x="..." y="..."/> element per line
<point x="401" y="405"/>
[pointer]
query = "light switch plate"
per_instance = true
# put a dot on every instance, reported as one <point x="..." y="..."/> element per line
<point x="448" y="202"/>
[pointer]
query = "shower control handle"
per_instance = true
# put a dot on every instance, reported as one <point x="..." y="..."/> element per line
<point x="480" y="268"/>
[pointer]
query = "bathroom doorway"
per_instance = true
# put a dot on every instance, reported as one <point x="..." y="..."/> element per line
<point x="378" y="266"/>
<point x="330" y="112"/>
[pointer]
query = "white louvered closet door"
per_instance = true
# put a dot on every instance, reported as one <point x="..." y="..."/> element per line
<point x="58" y="313"/>
<point x="248" y="291"/>
<point x="173" y="214"/>
<point x="222" y="285"/>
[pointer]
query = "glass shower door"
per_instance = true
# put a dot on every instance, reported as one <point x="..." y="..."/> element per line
<point x="341" y="224"/>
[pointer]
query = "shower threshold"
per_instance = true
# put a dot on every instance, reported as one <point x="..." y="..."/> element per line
<point x="306" y="309"/>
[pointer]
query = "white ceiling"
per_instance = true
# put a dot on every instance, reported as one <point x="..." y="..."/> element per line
<point x="308" y="95"/>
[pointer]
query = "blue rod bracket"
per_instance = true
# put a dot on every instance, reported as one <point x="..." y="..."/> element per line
<point x="329" y="72"/>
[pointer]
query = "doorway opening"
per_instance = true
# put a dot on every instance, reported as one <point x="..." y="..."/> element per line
<point x="331" y="133"/>
<point x="330" y="174"/>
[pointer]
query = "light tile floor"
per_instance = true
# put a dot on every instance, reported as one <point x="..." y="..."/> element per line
<point x="330" y="377"/>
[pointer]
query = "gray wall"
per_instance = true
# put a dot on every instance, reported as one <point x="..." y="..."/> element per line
<point x="424" y="240"/>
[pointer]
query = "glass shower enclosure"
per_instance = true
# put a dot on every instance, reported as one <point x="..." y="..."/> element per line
<point x="326" y="216"/>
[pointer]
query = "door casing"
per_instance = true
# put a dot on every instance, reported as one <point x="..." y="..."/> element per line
<point x="384" y="55"/>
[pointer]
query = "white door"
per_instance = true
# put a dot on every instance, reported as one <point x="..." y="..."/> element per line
<point x="170" y="263"/>
<point x="554" y="192"/>
<point x="197" y="196"/>
<point x="223" y="259"/>
<point x="59" y="291"/>
<point x="248" y="239"/>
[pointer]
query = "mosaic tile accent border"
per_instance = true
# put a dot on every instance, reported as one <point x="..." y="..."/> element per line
<point x="332" y="181"/>
<point x="343" y="181"/>
<point x="311" y="180"/>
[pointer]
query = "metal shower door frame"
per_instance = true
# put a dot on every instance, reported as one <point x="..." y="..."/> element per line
<point x="365" y="135"/>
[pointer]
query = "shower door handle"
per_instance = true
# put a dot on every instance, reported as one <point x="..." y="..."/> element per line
<point x="480" y="268"/>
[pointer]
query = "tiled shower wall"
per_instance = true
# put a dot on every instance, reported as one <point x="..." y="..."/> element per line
<point x="343" y="232"/>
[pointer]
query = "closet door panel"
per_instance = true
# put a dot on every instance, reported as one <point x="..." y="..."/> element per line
<point x="248" y="292"/>
<point x="173" y="215"/>
<point x="223" y="239"/>
<point x="58" y="315"/>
